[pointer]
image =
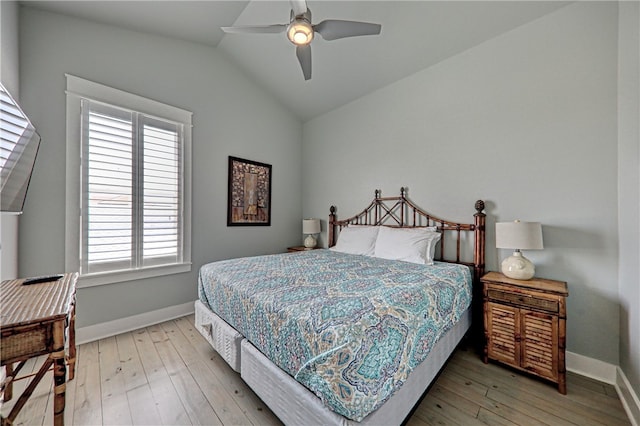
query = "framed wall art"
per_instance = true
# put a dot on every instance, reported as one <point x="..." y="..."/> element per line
<point x="249" y="193"/>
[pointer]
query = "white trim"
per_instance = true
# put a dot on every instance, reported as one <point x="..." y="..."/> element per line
<point x="76" y="88"/>
<point x="80" y="87"/>
<point x="591" y="367"/>
<point x="607" y="373"/>
<point x="628" y="397"/>
<point x="92" y="280"/>
<point x="122" y="325"/>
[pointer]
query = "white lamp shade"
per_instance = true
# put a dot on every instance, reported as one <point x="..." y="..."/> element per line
<point x="519" y="235"/>
<point x="311" y="226"/>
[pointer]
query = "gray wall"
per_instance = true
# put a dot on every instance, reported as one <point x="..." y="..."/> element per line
<point x="232" y="116"/>
<point x="526" y="121"/>
<point x="10" y="76"/>
<point x="629" y="190"/>
<point x="9" y="70"/>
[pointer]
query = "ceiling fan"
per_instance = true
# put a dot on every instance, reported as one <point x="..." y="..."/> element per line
<point x="300" y="31"/>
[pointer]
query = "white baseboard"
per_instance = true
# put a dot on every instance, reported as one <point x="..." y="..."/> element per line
<point x="630" y="400"/>
<point x="591" y="367"/>
<point x="607" y="373"/>
<point x="134" y="322"/>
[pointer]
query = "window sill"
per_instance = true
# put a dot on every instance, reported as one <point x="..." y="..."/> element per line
<point x="105" y="278"/>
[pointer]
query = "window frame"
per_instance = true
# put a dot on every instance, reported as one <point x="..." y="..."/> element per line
<point x="78" y="89"/>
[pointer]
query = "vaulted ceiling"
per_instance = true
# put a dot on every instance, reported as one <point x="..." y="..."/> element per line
<point x="415" y="35"/>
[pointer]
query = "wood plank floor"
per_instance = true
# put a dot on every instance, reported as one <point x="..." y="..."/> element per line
<point x="168" y="374"/>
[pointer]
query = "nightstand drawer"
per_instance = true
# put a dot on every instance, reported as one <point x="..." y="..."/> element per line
<point x="300" y="248"/>
<point x="524" y="300"/>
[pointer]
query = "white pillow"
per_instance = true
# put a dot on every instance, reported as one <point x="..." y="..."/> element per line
<point x="415" y="245"/>
<point x="357" y="240"/>
<point x="431" y="248"/>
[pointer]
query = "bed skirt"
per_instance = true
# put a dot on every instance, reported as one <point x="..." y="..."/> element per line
<point x="220" y="335"/>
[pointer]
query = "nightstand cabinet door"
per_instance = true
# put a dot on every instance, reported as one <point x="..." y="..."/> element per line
<point x="539" y="348"/>
<point x="503" y="323"/>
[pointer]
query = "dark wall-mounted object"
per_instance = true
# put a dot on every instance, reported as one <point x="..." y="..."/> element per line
<point x="249" y="201"/>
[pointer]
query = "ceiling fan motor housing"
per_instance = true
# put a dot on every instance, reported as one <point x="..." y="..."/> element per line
<point x="300" y="30"/>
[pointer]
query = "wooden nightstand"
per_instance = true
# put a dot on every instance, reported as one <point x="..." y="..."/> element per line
<point x="299" y="248"/>
<point x="525" y="325"/>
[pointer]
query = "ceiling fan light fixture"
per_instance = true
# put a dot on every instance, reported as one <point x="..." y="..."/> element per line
<point x="300" y="32"/>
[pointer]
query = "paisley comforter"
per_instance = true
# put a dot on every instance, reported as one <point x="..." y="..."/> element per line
<point x="350" y="328"/>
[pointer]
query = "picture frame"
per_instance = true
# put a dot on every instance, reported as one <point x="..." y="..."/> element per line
<point x="249" y="201"/>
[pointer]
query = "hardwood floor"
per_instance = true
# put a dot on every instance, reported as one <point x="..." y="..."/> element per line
<point x="168" y="374"/>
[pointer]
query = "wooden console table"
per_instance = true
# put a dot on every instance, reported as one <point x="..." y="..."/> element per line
<point x="35" y="320"/>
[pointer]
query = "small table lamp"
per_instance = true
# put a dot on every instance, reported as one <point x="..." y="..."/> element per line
<point x="310" y="227"/>
<point x="518" y="236"/>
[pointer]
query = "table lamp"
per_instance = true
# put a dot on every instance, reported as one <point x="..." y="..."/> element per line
<point x="518" y="236"/>
<point x="310" y="227"/>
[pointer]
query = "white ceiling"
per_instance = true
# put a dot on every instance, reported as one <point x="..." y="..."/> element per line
<point x="415" y="35"/>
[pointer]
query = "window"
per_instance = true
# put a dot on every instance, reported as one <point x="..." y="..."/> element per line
<point x="132" y="181"/>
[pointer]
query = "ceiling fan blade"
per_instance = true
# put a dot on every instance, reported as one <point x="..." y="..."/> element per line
<point x="304" y="56"/>
<point x="256" y="29"/>
<point x="333" y="29"/>
<point x="298" y="6"/>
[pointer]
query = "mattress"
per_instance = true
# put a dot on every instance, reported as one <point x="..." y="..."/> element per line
<point x="349" y="328"/>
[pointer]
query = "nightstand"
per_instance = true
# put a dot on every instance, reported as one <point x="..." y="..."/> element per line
<point x="300" y="248"/>
<point x="525" y="325"/>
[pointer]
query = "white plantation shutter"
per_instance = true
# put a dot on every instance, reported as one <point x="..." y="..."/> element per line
<point x="132" y="189"/>
<point x="19" y="144"/>
<point x="14" y="125"/>
<point x="162" y="201"/>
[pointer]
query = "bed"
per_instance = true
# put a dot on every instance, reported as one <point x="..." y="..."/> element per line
<point x="352" y="334"/>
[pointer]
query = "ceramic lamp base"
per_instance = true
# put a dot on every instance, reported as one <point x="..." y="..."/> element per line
<point x="310" y="241"/>
<point x="518" y="267"/>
